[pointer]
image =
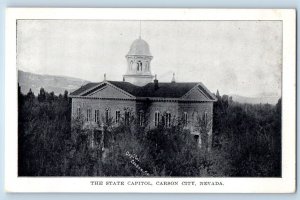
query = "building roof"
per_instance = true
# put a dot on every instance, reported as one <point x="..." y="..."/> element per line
<point x="164" y="90"/>
<point x="126" y="86"/>
<point x="84" y="88"/>
<point x="139" y="47"/>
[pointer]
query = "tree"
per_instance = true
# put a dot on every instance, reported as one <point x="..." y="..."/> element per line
<point x="51" y="97"/>
<point x="246" y="142"/>
<point x="42" y="95"/>
<point x="30" y="95"/>
<point x="66" y="97"/>
<point x="218" y="95"/>
<point x="204" y="127"/>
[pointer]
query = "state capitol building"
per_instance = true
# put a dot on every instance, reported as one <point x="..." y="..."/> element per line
<point x="141" y="97"/>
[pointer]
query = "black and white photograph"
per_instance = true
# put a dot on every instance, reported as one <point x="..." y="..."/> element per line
<point x="149" y="98"/>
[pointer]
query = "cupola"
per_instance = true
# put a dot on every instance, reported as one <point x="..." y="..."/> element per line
<point x="139" y="63"/>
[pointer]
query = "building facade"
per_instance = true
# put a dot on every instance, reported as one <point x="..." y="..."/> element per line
<point x="138" y="97"/>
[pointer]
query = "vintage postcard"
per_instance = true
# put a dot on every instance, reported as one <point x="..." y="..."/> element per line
<point x="150" y="100"/>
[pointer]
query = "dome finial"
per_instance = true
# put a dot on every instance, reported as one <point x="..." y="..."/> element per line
<point x="140" y="36"/>
<point x="173" y="79"/>
<point x="139" y="47"/>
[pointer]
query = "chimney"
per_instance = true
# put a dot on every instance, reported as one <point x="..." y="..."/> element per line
<point x="155" y="83"/>
<point x="104" y="76"/>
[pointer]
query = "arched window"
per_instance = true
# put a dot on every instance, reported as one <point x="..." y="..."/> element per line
<point x="185" y="118"/>
<point x="141" y="118"/>
<point x="205" y="117"/>
<point x="139" y="66"/>
<point x="88" y="114"/>
<point x="78" y="114"/>
<point x="130" y="65"/>
<point x="147" y="66"/>
<point x="195" y="118"/>
<point x="127" y="117"/>
<point x="97" y="113"/>
<point x="106" y="115"/>
<point x="168" y="120"/>
<point x="118" y="115"/>
<point x="156" y="118"/>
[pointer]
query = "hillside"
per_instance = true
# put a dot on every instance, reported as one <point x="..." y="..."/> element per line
<point x="270" y="99"/>
<point x="57" y="84"/>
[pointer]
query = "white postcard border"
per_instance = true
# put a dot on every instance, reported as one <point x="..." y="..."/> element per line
<point x="286" y="184"/>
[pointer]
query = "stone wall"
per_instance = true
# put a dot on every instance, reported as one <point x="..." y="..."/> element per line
<point x="162" y="108"/>
<point x="195" y="110"/>
<point x="148" y="107"/>
<point x="101" y="105"/>
<point x="176" y="109"/>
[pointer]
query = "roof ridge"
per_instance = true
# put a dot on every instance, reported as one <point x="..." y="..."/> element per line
<point x="165" y="89"/>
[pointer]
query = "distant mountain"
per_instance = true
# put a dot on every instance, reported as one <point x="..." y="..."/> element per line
<point x="57" y="84"/>
<point x="263" y="98"/>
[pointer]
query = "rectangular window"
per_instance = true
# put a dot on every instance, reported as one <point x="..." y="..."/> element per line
<point x="156" y="118"/>
<point x="185" y="118"/>
<point x="168" y="120"/>
<point x="127" y="117"/>
<point x="107" y="115"/>
<point x="196" y="118"/>
<point x="97" y="115"/>
<point x="205" y="117"/>
<point x="141" y="118"/>
<point x="78" y="112"/>
<point x="118" y="115"/>
<point x="88" y="114"/>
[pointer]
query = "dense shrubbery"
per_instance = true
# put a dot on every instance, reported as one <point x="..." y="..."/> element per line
<point x="44" y="132"/>
<point x="249" y="137"/>
<point x="246" y="142"/>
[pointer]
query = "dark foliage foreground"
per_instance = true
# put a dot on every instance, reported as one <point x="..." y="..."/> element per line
<point x="246" y="143"/>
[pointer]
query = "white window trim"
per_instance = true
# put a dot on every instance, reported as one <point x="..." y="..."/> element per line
<point x="107" y="114"/>
<point x="97" y="115"/>
<point x="185" y="118"/>
<point x="156" y="118"/>
<point x="141" y="118"/>
<point x="118" y="115"/>
<point x="78" y="111"/>
<point x="168" y="119"/>
<point x="88" y="114"/>
<point x="127" y="117"/>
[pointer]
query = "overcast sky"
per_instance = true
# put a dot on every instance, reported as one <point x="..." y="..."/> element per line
<point x="236" y="57"/>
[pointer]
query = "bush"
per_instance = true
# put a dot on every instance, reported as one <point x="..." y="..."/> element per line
<point x="246" y="142"/>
